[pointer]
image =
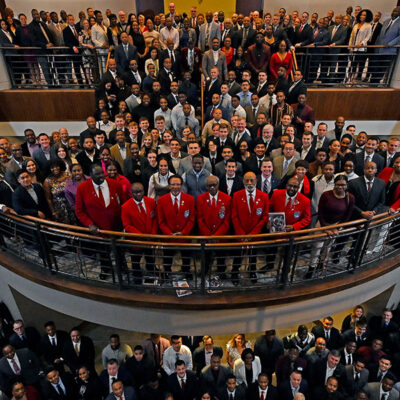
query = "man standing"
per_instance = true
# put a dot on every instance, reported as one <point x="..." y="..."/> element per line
<point x="139" y="216"/>
<point x="214" y="58"/>
<point x="249" y="216"/>
<point x="285" y="165"/>
<point x="213" y="218"/>
<point x="177" y="351"/>
<point x="195" y="179"/>
<point x="259" y="54"/>
<point x="183" y="383"/>
<point x="369" y="154"/>
<point x="124" y="53"/>
<point x="176" y="216"/>
<point x="295" y="205"/>
<point x="208" y="31"/>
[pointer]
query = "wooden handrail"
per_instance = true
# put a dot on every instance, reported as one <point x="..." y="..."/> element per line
<point x="202" y="84"/>
<point x="108" y="59"/>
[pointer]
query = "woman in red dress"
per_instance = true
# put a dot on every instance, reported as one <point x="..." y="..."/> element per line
<point x="281" y="58"/>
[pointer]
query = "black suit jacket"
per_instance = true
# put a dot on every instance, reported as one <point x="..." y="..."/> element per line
<point x="165" y="80"/>
<point x="253" y="392"/>
<point x="122" y="60"/>
<point x="240" y="394"/>
<point x="236" y="186"/>
<point x="335" y="339"/>
<point x="350" y="335"/>
<point x="123" y="375"/>
<point x="305" y="37"/>
<point x="69" y="39"/>
<point x="86" y="354"/>
<point x="191" y="387"/>
<point x="317" y="373"/>
<point x="176" y="68"/>
<point x="130" y="79"/>
<point x="50" y="393"/>
<point x="86" y="162"/>
<point x="310" y="157"/>
<point x="377" y="159"/>
<point x="353" y="387"/>
<point x="43" y="162"/>
<point x="199" y="357"/>
<point x="37" y="36"/>
<point x="375" y="34"/>
<point x="293" y="94"/>
<point x="373" y="200"/>
<point x="285" y="391"/>
<point x="384" y="155"/>
<point x="210" y="91"/>
<point x="50" y="352"/>
<point x="275" y="184"/>
<point x="251" y="35"/>
<point x="24" y="204"/>
<point x="30" y="368"/>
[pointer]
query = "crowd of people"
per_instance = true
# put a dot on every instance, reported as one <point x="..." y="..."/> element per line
<point x="195" y="42"/>
<point x="360" y="361"/>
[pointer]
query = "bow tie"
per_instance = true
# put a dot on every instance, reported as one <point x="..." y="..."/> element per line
<point x="230" y="179"/>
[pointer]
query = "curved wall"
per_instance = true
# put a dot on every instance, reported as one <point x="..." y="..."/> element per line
<point x="216" y="322"/>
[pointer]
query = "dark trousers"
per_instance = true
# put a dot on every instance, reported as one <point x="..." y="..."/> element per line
<point x="168" y="258"/>
<point x="149" y="261"/>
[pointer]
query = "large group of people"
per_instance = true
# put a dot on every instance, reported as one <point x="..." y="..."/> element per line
<point x="195" y="42"/>
<point x="360" y="361"/>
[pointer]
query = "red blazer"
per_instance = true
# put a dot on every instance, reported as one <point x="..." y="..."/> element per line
<point x="90" y="211"/>
<point x="244" y="222"/>
<point x="299" y="214"/>
<point x="258" y="64"/>
<point x="307" y="115"/>
<point x="385" y="175"/>
<point x="169" y="222"/>
<point x="213" y="221"/>
<point x="132" y="220"/>
<point x="277" y="62"/>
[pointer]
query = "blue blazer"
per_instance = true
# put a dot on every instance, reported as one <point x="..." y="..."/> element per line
<point x="391" y="37"/>
<point x="122" y="60"/>
<point x="129" y="393"/>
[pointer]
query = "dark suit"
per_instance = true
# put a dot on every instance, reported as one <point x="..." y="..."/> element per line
<point x="335" y="340"/>
<point x="208" y="382"/>
<point x="318" y="373"/>
<point x="350" y="335"/>
<point x="85" y="357"/>
<point x="165" y="80"/>
<point x="353" y="386"/>
<point x="275" y="184"/>
<point x="122" y="59"/>
<point x="86" y="162"/>
<point x="253" y="392"/>
<point x="123" y="375"/>
<point x="176" y="68"/>
<point x="303" y="36"/>
<point x="129" y="394"/>
<point x="50" y="352"/>
<point x="268" y="353"/>
<point x="375" y="34"/>
<point x="71" y="41"/>
<point x="285" y="390"/>
<point x="199" y="357"/>
<point x="240" y="394"/>
<point x="234" y="88"/>
<point x="30" y="340"/>
<point x="236" y="186"/>
<point x="193" y="342"/>
<point x="209" y="90"/>
<point x="310" y="157"/>
<point x="294" y="91"/>
<point x="24" y="204"/>
<point x="377" y="328"/>
<point x="130" y="79"/>
<point x="373" y="200"/>
<point x="360" y="161"/>
<point x="251" y="164"/>
<point x="251" y="35"/>
<point x="339" y="38"/>
<point x="141" y="371"/>
<point x="191" y="386"/>
<point x="50" y="393"/>
<point x="42" y="162"/>
<point x="30" y="368"/>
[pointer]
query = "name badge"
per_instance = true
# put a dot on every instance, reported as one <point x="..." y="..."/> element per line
<point x="186" y="213"/>
<point x="296" y="214"/>
<point x="152" y="214"/>
<point x="259" y="211"/>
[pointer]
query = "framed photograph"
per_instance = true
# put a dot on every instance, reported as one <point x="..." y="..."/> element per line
<point x="277" y="221"/>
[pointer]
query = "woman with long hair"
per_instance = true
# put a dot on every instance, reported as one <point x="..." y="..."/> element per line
<point x="282" y="58"/>
<point x="112" y="173"/>
<point x="158" y="183"/>
<point x="350" y="320"/>
<point x="334" y="155"/>
<point x="32" y="169"/>
<point x="235" y="348"/>
<point x="85" y="41"/>
<point x="62" y="154"/>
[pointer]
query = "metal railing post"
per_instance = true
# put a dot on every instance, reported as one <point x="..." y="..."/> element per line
<point x="286" y="263"/>
<point x="360" y="246"/>
<point x="44" y="249"/>
<point x="203" y="267"/>
<point x="118" y="265"/>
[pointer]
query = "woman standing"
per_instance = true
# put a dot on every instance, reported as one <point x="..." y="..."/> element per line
<point x="282" y="58"/>
<point x="235" y="348"/>
<point x="166" y="140"/>
<point x="112" y="173"/>
<point x="113" y="31"/>
<point x="85" y="41"/>
<point x="32" y="169"/>
<point x="77" y="177"/>
<point x="391" y="176"/>
<point x="334" y="155"/>
<point x="350" y="320"/>
<point x="247" y="367"/>
<point x="62" y="154"/>
<point x="228" y="51"/>
<point x="360" y="36"/>
<point x="158" y="184"/>
<point x="54" y="188"/>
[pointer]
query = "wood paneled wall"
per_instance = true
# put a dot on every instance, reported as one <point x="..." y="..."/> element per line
<point x="76" y="105"/>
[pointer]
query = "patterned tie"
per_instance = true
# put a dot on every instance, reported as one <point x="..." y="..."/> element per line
<point x="53" y="341"/>
<point x="76" y="348"/>
<point x="266" y="186"/>
<point x="182" y="384"/>
<point x="251" y="202"/>
<point x="16" y="369"/>
<point x="285" y="167"/>
<point x="369" y="183"/>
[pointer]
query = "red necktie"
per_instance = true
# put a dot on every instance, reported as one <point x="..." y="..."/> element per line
<point x="262" y="396"/>
<point x="212" y="111"/>
<point x="182" y="384"/>
<point x="251" y="202"/>
<point x="288" y="205"/>
<point x="17" y="369"/>
<point x="301" y="28"/>
<point x="176" y="206"/>
<point x="75" y="33"/>
<point x="369" y="186"/>
<point x="142" y="213"/>
<point x="259" y="132"/>
<point x="213" y="203"/>
<point x="101" y="198"/>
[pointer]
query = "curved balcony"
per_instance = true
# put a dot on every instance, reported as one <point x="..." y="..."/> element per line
<point x="274" y="268"/>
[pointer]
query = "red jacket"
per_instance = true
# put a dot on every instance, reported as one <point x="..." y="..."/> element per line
<point x="90" y="210"/>
<point x="258" y="64"/>
<point x="299" y="214"/>
<point x="244" y="222"/>
<point x="169" y="222"/>
<point x="133" y="221"/>
<point x="213" y="221"/>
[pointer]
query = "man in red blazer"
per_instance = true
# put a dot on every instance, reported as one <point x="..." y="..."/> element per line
<point x="249" y="217"/>
<point x="295" y="205"/>
<point x="213" y="219"/>
<point x="302" y="113"/>
<point x="176" y="216"/>
<point x="139" y="216"/>
<point x="98" y="206"/>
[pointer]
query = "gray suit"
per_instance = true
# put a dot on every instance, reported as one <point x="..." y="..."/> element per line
<point x="12" y="168"/>
<point x="186" y="165"/>
<point x="220" y="168"/>
<point x="391" y="37"/>
<point x="214" y="32"/>
<point x="58" y="38"/>
<point x="353" y="387"/>
<point x="340" y="35"/>
<point x="373" y="391"/>
<point x="192" y="35"/>
<point x="208" y="63"/>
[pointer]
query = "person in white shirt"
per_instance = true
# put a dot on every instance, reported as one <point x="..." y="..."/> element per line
<point x="169" y="32"/>
<point x="322" y="182"/>
<point x="177" y="351"/>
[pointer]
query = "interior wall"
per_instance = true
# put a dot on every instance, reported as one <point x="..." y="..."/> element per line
<point x="322" y="7"/>
<point x="72" y="6"/>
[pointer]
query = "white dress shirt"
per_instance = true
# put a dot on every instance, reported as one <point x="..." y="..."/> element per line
<point x="105" y="191"/>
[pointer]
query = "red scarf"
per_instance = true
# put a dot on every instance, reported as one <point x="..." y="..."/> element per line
<point x="306" y="185"/>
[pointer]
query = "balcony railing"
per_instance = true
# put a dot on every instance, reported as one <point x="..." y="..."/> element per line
<point x="214" y="264"/>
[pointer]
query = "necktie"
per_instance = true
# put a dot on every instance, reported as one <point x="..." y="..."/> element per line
<point x="75" y="33"/>
<point x="142" y="213"/>
<point x="213" y="203"/>
<point x="76" y="347"/>
<point x="177" y="356"/>
<point x="60" y="391"/>
<point x="266" y="186"/>
<point x="334" y="31"/>
<point x="349" y="359"/>
<point x="172" y="55"/>
<point x="176" y="208"/>
<point x="245" y="101"/>
<point x="327" y="335"/>
<point x="244" y="37"/>
<point x="16" y="369"/>
<point x="357" y="377"/>
<point x="212" y="111"/>
<point x="126" y="51"/>
<point x="369" y="183"/>
<point x="251" y="202"/>
<point x="53" y="341"/>
<point x="182" y="384"/>
<point x="231" y="396"/>
<point x="285" y="167"/>
<point x="44" y="32"/>
<point x="254" y="111"/>
<point x="120" y="398"/>
<point x="301" y="28"/>
<point x="101" y="198"/>
<point x="383" y="396"/>
<point x="186" y="120"/>
<point x="262" y="396"/>
<point x="288" y="205"/>
<point x="368" y="159"/>
<point x="389" y="25"/>
<point x="137" y="77"/>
